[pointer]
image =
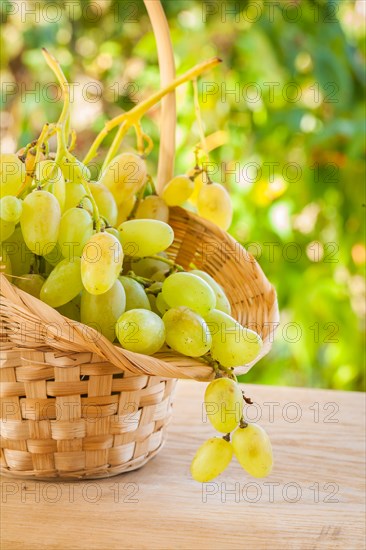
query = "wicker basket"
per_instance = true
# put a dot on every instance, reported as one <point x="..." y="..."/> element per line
<point x="75" y="406"/>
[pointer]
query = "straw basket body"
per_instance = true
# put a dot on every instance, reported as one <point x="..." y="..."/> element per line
<point x="76" y="406"/>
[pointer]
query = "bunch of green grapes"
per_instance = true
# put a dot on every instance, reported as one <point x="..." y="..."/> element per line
<point x="248" y="442"/>
<point x="62" y="233"/>
<point x="96" y="251"/>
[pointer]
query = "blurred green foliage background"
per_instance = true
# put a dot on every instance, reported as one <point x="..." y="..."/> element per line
<point x="288" y="99"/>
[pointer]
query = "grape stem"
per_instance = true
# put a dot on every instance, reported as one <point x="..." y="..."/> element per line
<point x="198" y="115"/>
<point x="197" y="168"/>
<point x="226" y="437"/>
<point x="64" y="120"/>
<point x="141" y="138"/>
<point x="171" y="263"/>
<point x="39" y="145"/>
<point x="82" y="205"/>
<point x="62" y="152"/>
<point x="96" y="217"/>
<point x="242" y="423"/>
<point x="132" y="117"/>
<point x="63" y="129"/>
<point x="118" y="138"/>
<point x="44" y="135"/>
<point x="213" y="364"/>
<point x="218" y="368"/>
<point x="150" y="181"/>
<point x="72" y="141"/>
<point x="153" y="292"/>
<point x="142" y="280"/>
<point x="139" y="198"/>
<point x="30" y="145"/>
<point x="107" y="225"/>
<point x="247" y="400"/>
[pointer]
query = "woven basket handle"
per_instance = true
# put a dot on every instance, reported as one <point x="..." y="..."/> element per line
<point x="168" y="105"/>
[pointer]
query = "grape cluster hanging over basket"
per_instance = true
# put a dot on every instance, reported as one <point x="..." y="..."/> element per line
<point x="122" y="256"/>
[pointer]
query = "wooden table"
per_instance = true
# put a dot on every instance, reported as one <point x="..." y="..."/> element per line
<point x="314" y="499"/>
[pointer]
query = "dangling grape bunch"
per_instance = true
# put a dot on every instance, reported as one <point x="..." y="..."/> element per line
<point x="96" y="252"/>
<point x="249" y="442"/>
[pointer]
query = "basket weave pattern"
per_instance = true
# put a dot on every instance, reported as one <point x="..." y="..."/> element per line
<point x="76" y="406"/>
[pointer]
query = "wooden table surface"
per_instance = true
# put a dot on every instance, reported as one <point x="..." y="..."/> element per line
<point x="314" y="499"/>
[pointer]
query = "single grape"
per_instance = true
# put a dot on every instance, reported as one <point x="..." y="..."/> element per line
<point x="10" y="209"/>
<point x="224" y="404"/>
<point x="253" y="450"/>
<point x="135" y="294"/>
<point x="186" y="289"/>
<point x="102" y="311"/>
<point x="211" y="459"/>
<point x="12" y="174"/>
<point x="5" y="263"/>
<point x="22" y="259"/>
<point x="125" y="209"/>
<point x="154" y="208"/>
<point x="222" y="303"/>
<point x="101" y="262"/>
<point x="76" y="228"/>
<point x="50" y="176"/>
<point x="74" y="170"/>
<point x="187" y="332"/>
<point x="71" y="310"/>
<point x="107" y="206"/>
<point x="40" y="221"/>
<point x="214" y="204"/>
<point x="74" y="195"/>
<point x="232" y="344"/>
<point x="124" y="176"/>
<point x="146" y="267"/>
<point x="161" y="304"/>
<point x="31" y="283"/>
<point x="145" y="237"/>
<point x="199" y="181"/>
<point x="63" y="284"/>
<point x="140" y="331"/>
<point x="178" y="190"/>
<point x="6" y="229"/>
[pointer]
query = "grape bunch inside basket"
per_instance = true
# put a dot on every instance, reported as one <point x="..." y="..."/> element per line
<point x="77" y="406"/>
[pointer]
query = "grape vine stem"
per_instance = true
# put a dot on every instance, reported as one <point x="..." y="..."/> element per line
<point x="171" y="263"/>
<point x="64" y="120"/>
<point x="132" y="117"/>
